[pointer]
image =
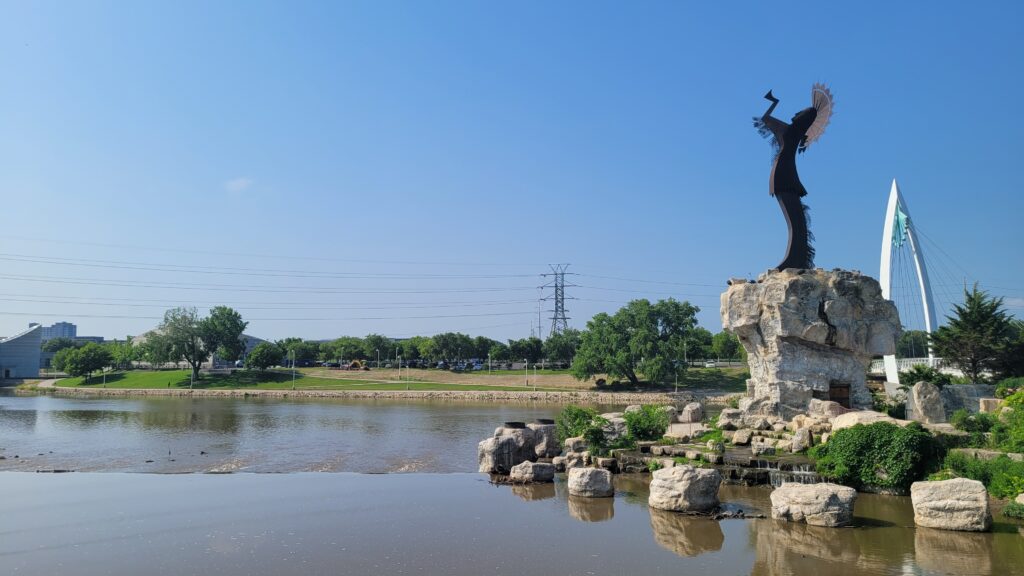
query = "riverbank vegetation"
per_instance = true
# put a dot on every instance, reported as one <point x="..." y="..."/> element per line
<point x="259" y="380"/>
<point x="878" y="456"/>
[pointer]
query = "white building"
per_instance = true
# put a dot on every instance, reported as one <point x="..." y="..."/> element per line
<point x="19" y="354"/>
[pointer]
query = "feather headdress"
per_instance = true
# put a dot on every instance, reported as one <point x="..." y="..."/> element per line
<point x="821" y="100"/>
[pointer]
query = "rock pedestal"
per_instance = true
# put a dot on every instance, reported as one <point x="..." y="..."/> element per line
<point x="685" y="489"/>
<point x="816" y="504"/>
<point x="808" y="334"/>
<point x="590" y="483"/>
<point x="511" y="444"/>
<point x="532" y="472"/>
<point x="957" y="504"/>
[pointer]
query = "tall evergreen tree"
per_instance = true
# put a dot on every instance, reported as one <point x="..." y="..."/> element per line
<point x="976" y="337"/>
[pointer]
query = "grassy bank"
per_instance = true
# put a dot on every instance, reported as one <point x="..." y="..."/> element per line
<point x="724" y="380"/>
<point x="269" y="380"/>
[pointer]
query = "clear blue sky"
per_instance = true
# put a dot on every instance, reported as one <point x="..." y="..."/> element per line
<point x="463" y="146"/>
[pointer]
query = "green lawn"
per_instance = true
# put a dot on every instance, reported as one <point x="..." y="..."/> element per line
<point x="270" y="380"/>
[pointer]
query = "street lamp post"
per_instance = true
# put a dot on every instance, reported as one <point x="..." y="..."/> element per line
<point x="488" y="363"/>
<point x="292" y="354"/>
<point x="527" y="371"/>
<point x="378" y="358"/>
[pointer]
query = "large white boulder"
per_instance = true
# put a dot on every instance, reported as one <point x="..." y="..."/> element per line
<point x="692" y="412"/>
<point x="685" y="489"/>
<point x="532" y="472"/>
<point x="730" y="419"/>
<point x="802" y="440"/>
<point x="590" y="482"/>
<point x="957" y="504"/>
<point x="816" y="504"/>
<point x="851" y="419"/>
<point x="926" y="403"/>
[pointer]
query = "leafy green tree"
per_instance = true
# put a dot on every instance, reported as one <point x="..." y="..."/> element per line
<point x="298" y="349"/>
<point x="83" y="361"/>
<point x="263" y="356"/>
<point x="699" y="344"/>
<point x="561" y="346"/>
<point x="57" y="344"/>
<point x="1011" y="362"/>
<point x="482" y="346"/>
<point x="725" y="345"/>
<point x="348" y="348"/>
<point x="123" y="353"/>
<point x="155" y="350"/>
<point x="180" y="332"/>
<point x="451" y="346"/>
<point x="412" y="347"/>
<point x="374" y="343"/>
<point x="531" y="349"/>
<point x="641" y="339"/>
<point x="500" y="352"/>
<point x="221" y="332"/>
<point x="976" y="337"/>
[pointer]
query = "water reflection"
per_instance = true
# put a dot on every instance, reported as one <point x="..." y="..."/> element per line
<point x="591" y="509"/>
<point x="948" y="552"/>
<point x="686" y="535"/>
<point x="532" y="492"/>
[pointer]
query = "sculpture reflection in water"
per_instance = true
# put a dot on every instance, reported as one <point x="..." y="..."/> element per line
<point x="685" y="535"/>
<point x="591" y="509"/>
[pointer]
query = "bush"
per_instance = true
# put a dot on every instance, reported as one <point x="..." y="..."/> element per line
<point x="733" y="402"/>
<point x="593" y="435"/>
<point x="1009" y="386"/>
<point x="648" y="423"/>
<point x="1014" y="510"/>
<point x="922" y="373"/>
<point x="881" y="455"/>
<point x="573" y="421"/>
<point x="653" y="466"/>
<point x="1003" y="477"/>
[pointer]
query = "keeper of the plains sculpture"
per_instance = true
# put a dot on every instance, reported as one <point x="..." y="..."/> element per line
<point x="804" y="129"/>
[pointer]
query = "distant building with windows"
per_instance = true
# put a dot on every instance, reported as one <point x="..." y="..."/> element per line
<point x="59" y="330"/>
<point x="19" y="354"/>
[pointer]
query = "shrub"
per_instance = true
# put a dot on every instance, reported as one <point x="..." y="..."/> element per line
<point x="1014" y="510"/>
<point x="713" y="434"/>
<point x="653" y="465"/>
<point x="648" y="423"/>
<point x="881" y="455"/>
<point x="894" y="408"/>
<point x="593" y="435"/>
<point x="573" y="421"/>
<point x="1003" y="477"/>
<point x="968" y="422"/>
<point x="923" y="373"/>
<point x="1009" y="386"/>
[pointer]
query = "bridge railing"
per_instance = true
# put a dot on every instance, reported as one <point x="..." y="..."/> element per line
<point x="905" y="364"/>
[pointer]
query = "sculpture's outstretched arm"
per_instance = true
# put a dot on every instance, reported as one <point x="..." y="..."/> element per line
<point x="772" y="123"/>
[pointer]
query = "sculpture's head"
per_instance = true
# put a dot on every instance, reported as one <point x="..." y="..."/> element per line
<point x="803" y="119"/>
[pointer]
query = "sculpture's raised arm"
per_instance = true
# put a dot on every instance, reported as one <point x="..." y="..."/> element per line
<point x="772" y="123"/>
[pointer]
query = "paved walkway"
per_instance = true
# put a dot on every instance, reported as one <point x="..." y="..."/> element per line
<point x="52" y="382"/>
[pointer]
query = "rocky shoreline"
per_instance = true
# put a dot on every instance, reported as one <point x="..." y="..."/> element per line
<point x="581" y="397"/>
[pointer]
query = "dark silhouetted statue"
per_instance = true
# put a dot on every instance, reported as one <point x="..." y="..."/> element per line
<point x="787" y="139"/>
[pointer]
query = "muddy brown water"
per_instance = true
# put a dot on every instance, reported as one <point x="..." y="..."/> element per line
<point x="423" y="522"/>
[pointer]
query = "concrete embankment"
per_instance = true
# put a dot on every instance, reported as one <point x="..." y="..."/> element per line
<point x="573" y="397"/>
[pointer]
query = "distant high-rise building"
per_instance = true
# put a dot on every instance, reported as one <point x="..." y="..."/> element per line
<point x="60" y="330"/>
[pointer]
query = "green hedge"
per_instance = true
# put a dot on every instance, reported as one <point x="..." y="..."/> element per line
<point x="648" y="423"/>
<point x="1003" y="477"/>
<point x="573" y="421"/>
<point x="881" y="455"/>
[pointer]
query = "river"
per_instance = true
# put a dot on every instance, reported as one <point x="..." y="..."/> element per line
<point x="437" y="518"/>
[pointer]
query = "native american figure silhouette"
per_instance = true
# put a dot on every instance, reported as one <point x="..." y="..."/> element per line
<point x="787" y="139"/>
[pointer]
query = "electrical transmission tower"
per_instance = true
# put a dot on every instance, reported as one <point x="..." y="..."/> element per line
<point x="559" y="319"/>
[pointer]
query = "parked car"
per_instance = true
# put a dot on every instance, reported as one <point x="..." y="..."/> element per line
<point x="710" y="364"/>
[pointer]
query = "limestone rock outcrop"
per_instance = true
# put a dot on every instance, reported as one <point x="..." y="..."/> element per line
<point x="685" y="489"/>
<point x="820" y="504"/>
<point x="590" y="483"/>
<point x="532" y="472"/>
<point x="511" y="444"/>
<point x="957" y="504"/>
<point x="925" y="403"/>
<point x="808" y="334"/>
<point x="691" y="413"/>
<point x="545" y="438"/>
